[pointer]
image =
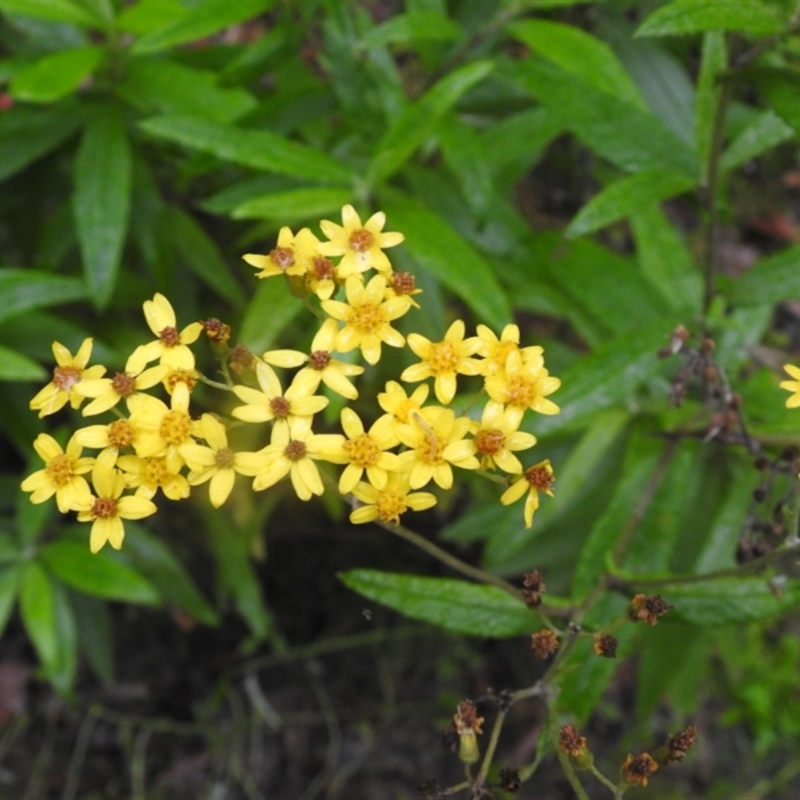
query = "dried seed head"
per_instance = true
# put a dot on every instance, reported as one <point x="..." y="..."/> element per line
<point x="282" y="257"/>
<point x="402" y="283"/>
<point x="241" y="359"/>
<point x="509" y="779"/>
<point x="319" y="359"/>
<point x="216" y="330"/>
<point x="679" y="744"/>
<point x="570" y="741"/>
<point x="466" y="717"/>
<point x="169" y="336"/>
<point x="544" y="644"/>
<point x="637" y="769"/>
<point x="123" y="384"/>
<point x="534" y="588"/>
<point x="648" y="608"/>
<point x="605" y="645"/>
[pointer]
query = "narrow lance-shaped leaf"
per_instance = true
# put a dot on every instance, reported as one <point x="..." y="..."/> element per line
<point x="419" y="121"/>
<point x="15" y="366"/>
<point x="38" y="611"/>
<point x="696" y="16"/>
<point x="766" y="131"/>
<point x="101" y="202"/>
<point x="55" y="76"/>
<point x="625" y="197"/>
<point x="295" y="204"/>
<point x="769" y="281"/>
<point x="9" y="584"/>
<point x="454" y="605"/>
<point x="55" y="10"/>
<point x="713" y="62"/>
<point x="23" y="290"/>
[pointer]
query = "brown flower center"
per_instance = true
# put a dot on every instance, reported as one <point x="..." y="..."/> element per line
<point x="120" y="433"/>
<point x="169" y="336"/>
<point x="403" y="283"/>
<point x="361" y="240"/>
<point x="295" y="450"/>
<point x="280" y="407"/>
<point x="223" y="458"/>
<point x="216" y="330"/>
<point x="123" y="384"/>
<point x="539" y="477"/>
<point x="322" y="269"/>
<point x="60" y="469"/>
<point x="104" y="508"/>
<point x="490" y="442"/>
<point x="282" y="257"/>
<point x="319" y="359"/>
<point x="66" y="377"/>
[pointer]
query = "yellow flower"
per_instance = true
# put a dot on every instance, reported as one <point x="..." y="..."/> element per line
<point x="320" y="365"/>
<point x="361" y="246"/>
<point x="390" y="502"/>
<point x="427" y="436"/>
<point x="61" y="476"/>
<point x="163" y="429"/>
<point x="216" y="463"/>
<point x="535" y="479"/>
<point x="148" y="475"/>
<point x="495" y="351"/>
<point x="443" y="360"/>
<point x="107" y="392"/>
<point x="292" y="451"/>
<point x="107" y="510"/>
<point x="69" y="373"/>
<point x="322" y="277"/>
<point x="401" y="284"/>
<point x="363" y="451"/>
<point x="299" y="400"/>
<point x="119" y="434"/>
<point x="493" y="444"/>
<point x="523" y="385"/>
<point x="367" y="316"/>
<point x="398" y="404"/>
<point x="171" y="346"/>
<point x="291" y="256"/>
<point x="792" y="386"/>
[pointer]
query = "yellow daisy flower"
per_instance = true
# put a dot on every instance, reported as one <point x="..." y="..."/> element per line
<point x="792" y="386"/>
<point x="322" y="277"/>
<point x="535" y="479"/>
<point x="215" y="462"/>
<point x="523" y="385"/>
<point x="271" y="403"/>
<point x="292" y="451"/>
<point x="320" y="365"/>
<point x="427" y="436"/>
<point x="292" y="254"/>
<point x="443" y="360"/>
<point x="389" y="503"/>
<point x="107" y="392"/>
<point x="119" y="434"/>
<point x="493" y="443"/>
<point x="61" y="476"/>
<point x="363" y="451"/>
<point x="163" y="429"/>
<point x="148" y="475"/>
<point x="398" y="404"/>
<point x="70" y="372"/>
<point x="361" y="246"/>
<point x="495" y="351"/>
<point x="402" y="284"/>
<point x="367" y="316"/>
<point x="107" y="510"/>
<point x="171" y="346"/>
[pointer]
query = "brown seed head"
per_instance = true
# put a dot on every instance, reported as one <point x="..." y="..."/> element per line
<point x="66" y="377"/>
<point x="361" y="240"/>
<point x="216" y="330"/>
<point x="544" y="644"/>
<point x="679" y="744"/>
<point x="169" y="336"/>
<point x="123" y="384"/>
<point x="605" y="645"/>
<point x="322" y="269"/>
<point x="466" y="717"/>
<point x="637" y="769"/>
<point x="534" y="588"/>
<point x="648" y="608"/>
<point x="241" y="359"/>
<point x="402" y="283"/>
<point x="282" y="257"/>
<point x="570" y="741"/>
<point x="319" y="359"/>
<point x="509" y="779"/>
<point x="540" y="476"/>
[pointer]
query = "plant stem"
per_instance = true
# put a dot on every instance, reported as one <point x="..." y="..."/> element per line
<point x="490" y="748"/>
<point x="602" y="778"/>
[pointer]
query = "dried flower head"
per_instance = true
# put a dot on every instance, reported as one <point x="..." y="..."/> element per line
<point x="534" y="588"/>
<point x="570" y="741"/>
<point x="509" y="779"/>
<point x="679" y="745"/>
<point x="605" y="645"/>
<point x="648" y="608"/>
<point x="544" y="643"/>
<point x="241" y="359"/>
<point x="637" y="769"/>
<point x="216" y="330"/>
<point x="466" y="717"/>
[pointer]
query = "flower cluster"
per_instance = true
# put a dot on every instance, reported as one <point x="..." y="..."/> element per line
<point x="156" y="444"/>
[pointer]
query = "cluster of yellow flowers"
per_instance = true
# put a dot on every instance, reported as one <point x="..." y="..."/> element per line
<point x="161" y="446"/>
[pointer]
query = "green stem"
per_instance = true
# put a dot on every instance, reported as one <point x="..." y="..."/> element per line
<point x="490" y="748"/>
<point x="602" y="778"/>
<point x="216" y="384"/>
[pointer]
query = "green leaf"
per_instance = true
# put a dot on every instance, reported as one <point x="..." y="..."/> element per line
<point x="714" y="61"/>
<point x="272" y="308"/>
<point x="9" y="585"/>
<point x="101" y="202"/>
<point x="418" y="122"/>
<point x="97" y="574"/>
<point x="27" y="134"/>
<point x="454" y="605"/>
<point x="781" y="87"/>
<point x="17" y="367"/>
<point x="640" y="464"/>
<point x="696" y="16"/>
<point x="203" y="19"/>
<point x="766" y="131"/>
<point x="95" y="635"/>
<point x="23" y="290"/>
<point x="665" y="260"/>
<point x="624" y="134"/>
<point x="580" y="53"/>
<point x="164" y="86"/>
<point x="627" y="196"/>
<point x="55" y="76"/>
<point x="200" y="253"/>
<point x="294" y="205"/>
<point x="55" y="10"/>
<point x="729" y="600"/>
<point x="770" y="281"/>
<point x="463" y="152"/>
<point x="258" y="149"/>
<point x="451" y="260"/>
<point x="415" y="27"/>
<point x="147" y="16"/>
<point x="61" y="671"/>
<point x="37" y="607"/>
<point x="154" y="559"/>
